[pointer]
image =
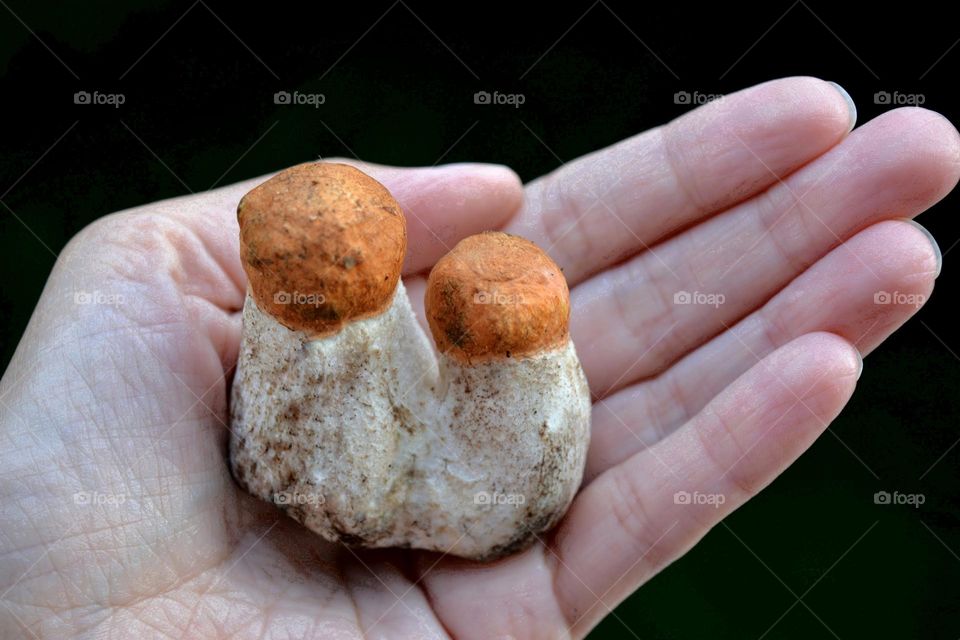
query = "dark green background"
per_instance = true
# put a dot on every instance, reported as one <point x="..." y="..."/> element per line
<point x="200" y="98"/>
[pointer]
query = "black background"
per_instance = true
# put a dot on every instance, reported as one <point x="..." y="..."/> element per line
<point x="399" y="81"/>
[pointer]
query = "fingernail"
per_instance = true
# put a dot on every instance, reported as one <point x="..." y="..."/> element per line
<point x="851" y="107"/>
<point x="933" y="242"/>
<point x="859" y="371"/>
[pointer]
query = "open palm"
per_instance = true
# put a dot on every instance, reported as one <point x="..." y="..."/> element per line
<point x="725" y="271"/>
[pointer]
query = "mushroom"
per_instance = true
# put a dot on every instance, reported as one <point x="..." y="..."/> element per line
<point x="343" y="414"/>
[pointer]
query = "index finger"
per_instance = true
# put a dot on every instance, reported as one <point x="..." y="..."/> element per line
<point x="611" y="204"/>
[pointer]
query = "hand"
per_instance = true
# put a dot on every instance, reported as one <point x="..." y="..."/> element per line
<point x="723" y="271"/>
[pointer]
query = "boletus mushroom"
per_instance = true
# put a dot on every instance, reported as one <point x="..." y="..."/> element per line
<point x="344" y="415"/>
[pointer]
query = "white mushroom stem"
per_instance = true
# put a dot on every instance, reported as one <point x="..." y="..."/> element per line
<point x="366" y="438"/>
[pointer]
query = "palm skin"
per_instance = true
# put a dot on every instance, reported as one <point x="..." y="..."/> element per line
<point x="119" y="516"/>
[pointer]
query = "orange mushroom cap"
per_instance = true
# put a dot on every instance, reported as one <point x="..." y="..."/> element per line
<point x="497" y="295"/>
<point x="322" y="244"/>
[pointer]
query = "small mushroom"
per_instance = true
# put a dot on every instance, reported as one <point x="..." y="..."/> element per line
<point x="342" y="413"/>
